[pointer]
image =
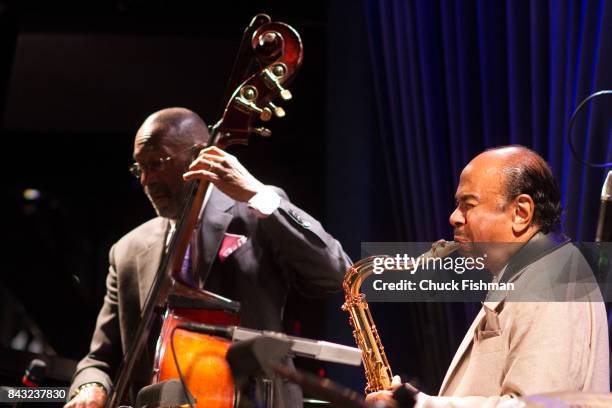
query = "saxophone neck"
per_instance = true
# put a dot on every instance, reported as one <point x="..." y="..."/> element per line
<point x="359" y="271"/>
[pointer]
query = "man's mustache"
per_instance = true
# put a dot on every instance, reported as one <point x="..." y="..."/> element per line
<point x="156" y="191"/>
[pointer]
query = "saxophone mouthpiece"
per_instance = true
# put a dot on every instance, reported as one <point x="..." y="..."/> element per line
<point x="442" y="248"/>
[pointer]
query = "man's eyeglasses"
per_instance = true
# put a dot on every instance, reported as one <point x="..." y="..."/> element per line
<point x="158" y="165"/>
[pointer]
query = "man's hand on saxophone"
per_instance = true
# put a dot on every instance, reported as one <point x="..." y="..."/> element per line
<point x="385" y="398"/>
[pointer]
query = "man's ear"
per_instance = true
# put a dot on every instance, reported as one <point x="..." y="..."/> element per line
<point x="522" y="213"/>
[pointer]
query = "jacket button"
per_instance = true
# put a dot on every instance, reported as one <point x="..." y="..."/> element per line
<point x="298" y="218"/>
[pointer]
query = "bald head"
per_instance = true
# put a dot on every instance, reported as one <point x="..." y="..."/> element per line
<point x="523" y="171"/>
<point x="513" y="157"/>
<point x="175" y="128"/>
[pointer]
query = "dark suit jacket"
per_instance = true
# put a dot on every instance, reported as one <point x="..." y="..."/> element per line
<point x="287" y="249"/>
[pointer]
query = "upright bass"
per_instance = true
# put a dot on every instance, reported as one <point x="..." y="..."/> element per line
<point x="200" y="359"/>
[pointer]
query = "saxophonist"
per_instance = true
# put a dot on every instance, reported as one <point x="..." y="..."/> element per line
<point x="508" y="195"/>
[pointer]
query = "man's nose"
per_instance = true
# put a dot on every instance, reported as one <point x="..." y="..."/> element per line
<point x="456" y="218"/>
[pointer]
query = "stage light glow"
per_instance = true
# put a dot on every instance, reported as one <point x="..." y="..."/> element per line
<point x="31" y="194"/>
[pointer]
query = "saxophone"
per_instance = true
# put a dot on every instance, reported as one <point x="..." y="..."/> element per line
<point x="377" y="369"/>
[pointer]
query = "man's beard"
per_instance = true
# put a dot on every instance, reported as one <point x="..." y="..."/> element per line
<point x="165" y="212"/>
<point x="171" y="208"/>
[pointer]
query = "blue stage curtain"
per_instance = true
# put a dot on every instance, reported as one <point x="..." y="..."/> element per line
<point x="452" y="78"/>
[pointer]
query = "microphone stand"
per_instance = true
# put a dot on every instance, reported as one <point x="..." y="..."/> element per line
<point x="604" y="224"/>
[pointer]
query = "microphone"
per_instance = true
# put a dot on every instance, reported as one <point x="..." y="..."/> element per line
<point x="604" y="224"/>
<point x="35" y="373"/>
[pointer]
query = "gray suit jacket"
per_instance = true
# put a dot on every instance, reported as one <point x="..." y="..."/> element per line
<point x="287" y="249"/>
<point x="549" y="335"/>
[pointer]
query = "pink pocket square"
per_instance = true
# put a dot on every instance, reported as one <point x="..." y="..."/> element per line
<point x="231" y="242"/>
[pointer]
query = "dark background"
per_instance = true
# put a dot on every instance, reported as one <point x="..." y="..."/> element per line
<point x="77" y="80"/>
<point x="393" y="99"/>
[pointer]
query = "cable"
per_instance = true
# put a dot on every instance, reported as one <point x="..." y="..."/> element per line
<point x="178" y="368"/>
<point x="571" y="125"/>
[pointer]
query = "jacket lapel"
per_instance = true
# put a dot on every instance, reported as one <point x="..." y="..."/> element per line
<point x="467" y="341"/>
<point x="148" y="260"/>
<point x="215" y="220"/>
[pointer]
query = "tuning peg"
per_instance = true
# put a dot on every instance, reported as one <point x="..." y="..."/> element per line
<point x="265" y="114"/>
<point x="262" y="131"/>
<point x="285" y="94"/>
<point x="278" y="111"/>
<point x="271" y="80"/>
